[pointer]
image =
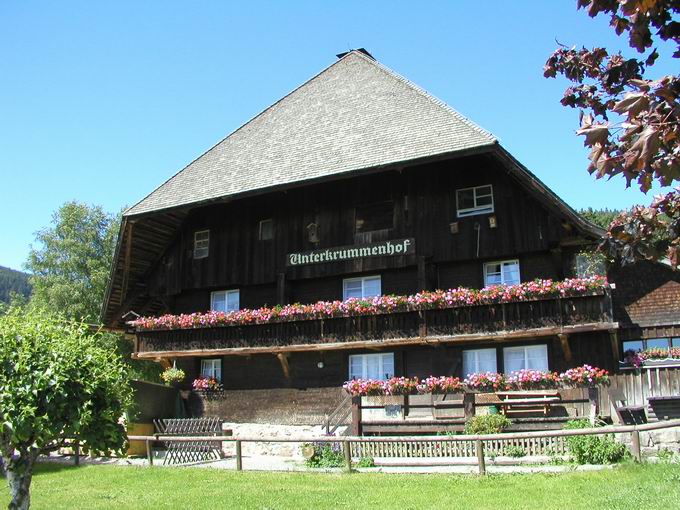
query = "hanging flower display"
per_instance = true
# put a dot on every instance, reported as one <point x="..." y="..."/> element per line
<point x="426" y="300"/>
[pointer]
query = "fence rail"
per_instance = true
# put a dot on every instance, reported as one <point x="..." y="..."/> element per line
<point x="480" y="441"/>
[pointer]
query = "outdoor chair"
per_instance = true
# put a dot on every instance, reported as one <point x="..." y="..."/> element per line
<point x="628" y="415"/>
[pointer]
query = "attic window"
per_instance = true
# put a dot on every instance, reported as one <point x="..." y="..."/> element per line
<point x="201" y="244"/>
<point x="375" y="216"/>
<point x="265" y="231"/>
<point x="477" y="200"/>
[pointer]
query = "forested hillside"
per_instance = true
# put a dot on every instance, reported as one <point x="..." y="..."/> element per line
<point x="13" y="281"/>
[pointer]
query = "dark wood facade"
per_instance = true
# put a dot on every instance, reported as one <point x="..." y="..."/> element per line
<point x="424" y="207"/>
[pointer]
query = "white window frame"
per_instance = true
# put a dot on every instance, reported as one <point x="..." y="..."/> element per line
<point x="476" y="209"/>
<point x="363" y="280"/>
<point x="503" y="278"/>
<point x="212" y="367"/>
<point x="201" y="246"/>
<point x="381" y="357"/>
<point x="226" y="293"/>
<point x="259" y="229"/>
<point x="476" y="353"/>
<point x="526" y="348"/>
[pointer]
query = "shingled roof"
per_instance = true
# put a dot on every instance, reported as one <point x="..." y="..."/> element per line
<point x="355" y="114"/>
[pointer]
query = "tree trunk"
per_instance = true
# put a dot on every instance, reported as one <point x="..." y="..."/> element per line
<point x="19" y="470"/>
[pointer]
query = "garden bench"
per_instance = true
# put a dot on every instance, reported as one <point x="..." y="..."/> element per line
<point x="527" y="401"/>
<point x="665" y="408"/>
<point x="627" y="414"/>
<point x="182" y="452"/>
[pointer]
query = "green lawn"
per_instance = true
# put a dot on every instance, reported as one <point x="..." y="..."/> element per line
<point x="628" y="486"/>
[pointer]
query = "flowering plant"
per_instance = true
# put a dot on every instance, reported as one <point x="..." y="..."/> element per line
<point x="425" y="300"/>
<point x="402" y="386"/>
<point x="526" y="379"/>
<point x="486" y="381"/>
<point x="637" y="359"/>
<point x="585" y="376"/>
<point x="364" y="387"/>
<point x="441" y="385"/>
<point x="173" y="375"/>
<point x="206" y="384"/>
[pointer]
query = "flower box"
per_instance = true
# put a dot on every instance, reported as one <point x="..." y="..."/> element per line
<point x="382" y="407"/>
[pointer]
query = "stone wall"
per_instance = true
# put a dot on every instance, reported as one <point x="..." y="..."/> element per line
<point x="278" y="406"/>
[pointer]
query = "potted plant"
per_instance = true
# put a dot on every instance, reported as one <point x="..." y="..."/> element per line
<point x="173" y="376"/>
<point x="209" y="387"/>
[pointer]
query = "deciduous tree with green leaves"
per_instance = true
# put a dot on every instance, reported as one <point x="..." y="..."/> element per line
<point x="72" y="259"/>
<point x="630" y="120"/>
<point x="56" y="382"/>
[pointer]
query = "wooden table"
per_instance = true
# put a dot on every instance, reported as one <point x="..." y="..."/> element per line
<point x="527" y="401"/>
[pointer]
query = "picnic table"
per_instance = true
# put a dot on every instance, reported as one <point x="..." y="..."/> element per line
<point x="527" y="401"/>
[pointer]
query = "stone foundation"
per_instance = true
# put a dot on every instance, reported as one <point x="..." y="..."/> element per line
<point x="279" y="406"/>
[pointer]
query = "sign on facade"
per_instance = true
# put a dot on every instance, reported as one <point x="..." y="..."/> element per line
<point x="342" y="253"/>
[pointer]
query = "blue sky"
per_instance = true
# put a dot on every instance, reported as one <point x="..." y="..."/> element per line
<point x="103" y="102"/>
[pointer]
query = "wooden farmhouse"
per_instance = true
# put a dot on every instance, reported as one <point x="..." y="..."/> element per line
<point x="355" y="185"/>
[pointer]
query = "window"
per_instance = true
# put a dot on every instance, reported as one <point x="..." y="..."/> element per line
<point x="479" y="360"/>
<point x="371" y="366"/>
<point x="224" y="300"/>
<point x="265" y="231"/>
<point x="477" y="200"/>
<point x="201" y="244"/>
<point x="502" y="272"/>
<point x="212" y="368"/>
<point x="361" y="288"/>
<point x="650" y="343"/>
<point x="525" y="357"/>
<point x="376" y="216"/>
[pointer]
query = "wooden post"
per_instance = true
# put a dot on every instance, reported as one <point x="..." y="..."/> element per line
<point x="479" y="449"/>
<point x="614" y="340"/>
<point x="149" y="452"/>
<point x="285" y="367"/>
<point x="281" y="289"/>
<point x="356" y="416"/>
<point x="594" y="398"/>
<point x="348" y="456"/>
<point x="635" y="445"/>
<point x="468" y="405"/>
<point x="239" y="456"/>
<point x="422" y="274"/>
<point x="566" y="349"/>
<point x="76" y="453"/>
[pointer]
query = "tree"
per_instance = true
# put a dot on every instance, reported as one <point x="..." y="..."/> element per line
<point x="630" y="122"/>
<point x="71" y="269"/>
<point x="12" y="281"/>
<point x="600" y="217"/>
<point x="71" y="263"/>
<point x="56" y="382"/>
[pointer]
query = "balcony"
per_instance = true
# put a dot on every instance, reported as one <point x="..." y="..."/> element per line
<point x="547" y="316"/>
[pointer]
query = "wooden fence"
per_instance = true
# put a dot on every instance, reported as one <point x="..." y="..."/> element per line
<point x="481" y="442"/>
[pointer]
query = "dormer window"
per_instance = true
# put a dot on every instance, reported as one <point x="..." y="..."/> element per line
<point x="201" y="244"/>
<point x="477" y="200"/>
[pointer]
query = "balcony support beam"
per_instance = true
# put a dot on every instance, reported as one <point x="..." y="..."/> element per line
<point x="566" y="349"/>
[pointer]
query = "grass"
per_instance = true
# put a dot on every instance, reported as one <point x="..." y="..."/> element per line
<point x="91" y="487"/>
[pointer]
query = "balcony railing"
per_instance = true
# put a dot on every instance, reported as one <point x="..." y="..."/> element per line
<point x="541" y="316"/>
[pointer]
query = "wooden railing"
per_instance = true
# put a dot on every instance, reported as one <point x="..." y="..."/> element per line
<point x="480" y="441"/>
<point x="549" y="314"/>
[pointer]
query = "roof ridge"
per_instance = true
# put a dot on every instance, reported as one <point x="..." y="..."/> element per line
<point x="425" y="93"/>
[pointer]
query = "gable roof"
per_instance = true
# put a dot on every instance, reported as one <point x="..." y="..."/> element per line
<point x="355" y="114"/>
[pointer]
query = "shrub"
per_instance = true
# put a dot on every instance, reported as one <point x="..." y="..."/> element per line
<point x="487" y="424"/>
<point x="366" y="462"/>
<point x="603" y="449"/>
<point x="326" y="455"/>
<point x="514" y="451"/>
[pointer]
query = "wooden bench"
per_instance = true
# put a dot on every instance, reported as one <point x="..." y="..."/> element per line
<point x="665" y="408"/>
<point x="627" y="414"/>
<point x="527" y="401"/>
